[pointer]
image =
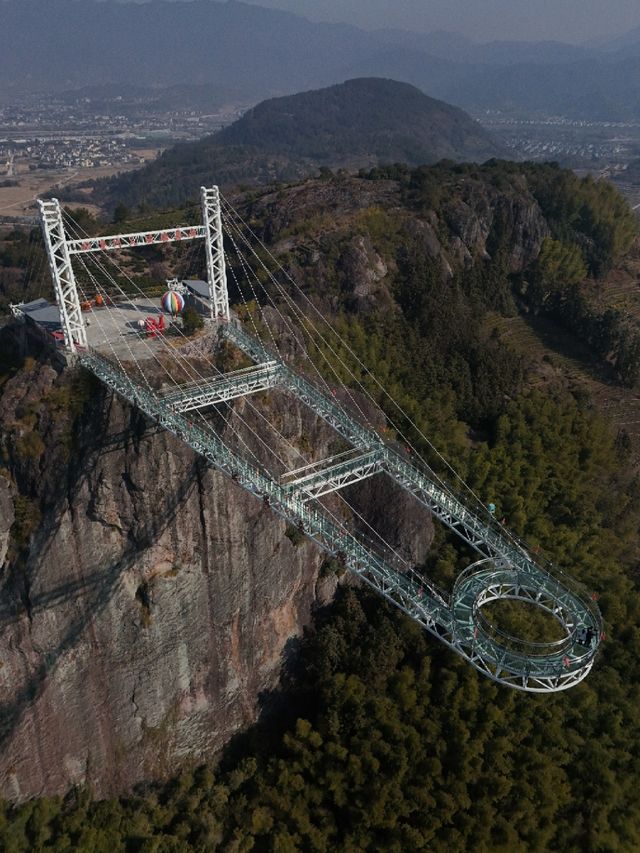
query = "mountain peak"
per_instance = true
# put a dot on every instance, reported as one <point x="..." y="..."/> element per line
<point x="370" y="119"/>
<point x="361" y="123"/>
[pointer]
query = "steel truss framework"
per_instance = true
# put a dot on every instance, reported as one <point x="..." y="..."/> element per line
<point x="214" y="246"/>
<point x="505" y="571"/>
<point x="133" y="241"/>
<point x="240" y="383"/>
<point x="455" y="621"/>
<point x="60" y="250"/>
<point x="64" y="281"/>
<point x="337" y="476"/>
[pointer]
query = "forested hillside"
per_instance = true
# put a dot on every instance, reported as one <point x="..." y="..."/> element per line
<point x="357" y="124"/>
<point x="383" y="740"/>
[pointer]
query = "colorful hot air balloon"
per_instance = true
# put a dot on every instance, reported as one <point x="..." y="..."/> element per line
<point x="172" y="302"/>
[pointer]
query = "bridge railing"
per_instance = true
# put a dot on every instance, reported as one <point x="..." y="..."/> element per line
<point x="493" y="539"/>
<point x="401" y="585"/>
<point x="481" y="585"/>
<point x="478" y="526"/>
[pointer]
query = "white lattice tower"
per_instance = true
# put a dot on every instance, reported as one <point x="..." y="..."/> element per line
<point x="64" y="281"/>
<point x="60" y="250"/>
<point x="214" y="247"/>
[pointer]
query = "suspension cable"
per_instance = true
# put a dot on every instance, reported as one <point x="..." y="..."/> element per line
<point x="270" y="450"/>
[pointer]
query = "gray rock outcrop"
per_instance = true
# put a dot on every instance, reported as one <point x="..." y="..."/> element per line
<point x="7" y="516"/>
<point x="151" y="603"/>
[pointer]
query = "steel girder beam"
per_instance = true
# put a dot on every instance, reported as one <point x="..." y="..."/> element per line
<point x="450" y="623"/>
<point x="338" y="476"/>
<point x="64" y="282"/>
<point x="203" y="394"/>
<point x="132" y="241"/>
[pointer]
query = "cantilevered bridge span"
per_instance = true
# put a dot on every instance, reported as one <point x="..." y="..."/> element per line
<point x="129" y="362"/>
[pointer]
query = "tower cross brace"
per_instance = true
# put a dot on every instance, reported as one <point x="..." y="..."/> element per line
<point x="60" y="251"/>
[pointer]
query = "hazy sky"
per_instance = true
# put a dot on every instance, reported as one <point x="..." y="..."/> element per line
<point x="484" y="20"/>
<point x="566" y="20"/>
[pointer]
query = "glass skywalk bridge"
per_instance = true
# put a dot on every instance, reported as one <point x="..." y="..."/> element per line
<point x="506" y="572"/>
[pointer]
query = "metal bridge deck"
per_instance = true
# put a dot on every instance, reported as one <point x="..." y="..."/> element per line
<point x="505" y="571"/>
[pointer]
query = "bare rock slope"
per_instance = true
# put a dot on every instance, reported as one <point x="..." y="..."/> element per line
<point x="147" y="604"/>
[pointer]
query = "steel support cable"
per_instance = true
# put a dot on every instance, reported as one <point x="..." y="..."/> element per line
<point x="199" y="415"/>
<point x="96" y="315"/>
<point x="305" y="322"/>
<point x="554" y="679"/>
<point x="302" y="319"/>
<point x="287" y="322"/>
<point x="246" y="267"/>
<point x="233" y="213"/>
<point x="108" y="337"/>
<point x="29" y="266"/>
<point x="341" y="496"/>
<point x="491" y="522"/>
<point x="296" y="450"/>
<point x="255" y="297"/>
<point x="431" y="474"/>
<point x="97" y="318"/>
<point x="269" y="449"/>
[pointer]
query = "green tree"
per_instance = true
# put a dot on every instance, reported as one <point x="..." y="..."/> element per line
<point x="121" y="214"/>
<point x="192" y="321"/>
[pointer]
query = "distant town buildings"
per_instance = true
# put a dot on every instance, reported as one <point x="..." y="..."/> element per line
<point x="48" y="132"/>
<point x="571" y="142"/>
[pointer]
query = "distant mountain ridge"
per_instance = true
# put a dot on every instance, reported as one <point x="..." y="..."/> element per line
<point x="357" y="124"/>
<point x="247" y="53"/>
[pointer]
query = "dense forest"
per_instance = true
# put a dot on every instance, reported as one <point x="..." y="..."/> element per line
<point x="380" y="739"/>
<point x="386" y="741"/>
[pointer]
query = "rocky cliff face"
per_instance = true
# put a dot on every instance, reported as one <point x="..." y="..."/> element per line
<point x="147" y="603"/>
<point x="7" y="516"/>
<point x="341" y="238"/>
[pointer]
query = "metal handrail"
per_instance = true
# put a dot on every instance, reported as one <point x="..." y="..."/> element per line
<point x="450" y="618"/>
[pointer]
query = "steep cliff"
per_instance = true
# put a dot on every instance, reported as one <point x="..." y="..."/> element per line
<point x="148" y="603"/>
<point x="7" y="516"/>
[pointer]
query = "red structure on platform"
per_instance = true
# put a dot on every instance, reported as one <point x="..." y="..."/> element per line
<point x="154" y="326"/>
